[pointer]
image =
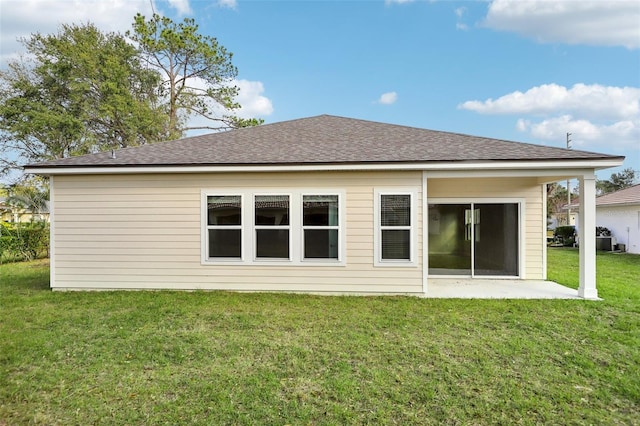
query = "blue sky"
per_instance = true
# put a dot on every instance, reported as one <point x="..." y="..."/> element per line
<point x="527" y="71"/>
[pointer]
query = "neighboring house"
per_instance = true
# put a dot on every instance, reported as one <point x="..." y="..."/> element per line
<point x="560" y="218"/>
<point x="5" y="211"/>
<point x="620" y="212"/>
<point x="567" y="211"/>
<point x="322" y="204"/>
<point x="13" y="214"/>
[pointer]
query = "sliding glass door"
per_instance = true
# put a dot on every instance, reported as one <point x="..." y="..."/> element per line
<point x="474" y="239"/>
<point x="449" y="244"/>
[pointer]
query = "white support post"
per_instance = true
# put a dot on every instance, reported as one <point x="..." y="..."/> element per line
<point x="587" y="237"/>
<point x="425" y="234"/>
<point x="545" y="247"/>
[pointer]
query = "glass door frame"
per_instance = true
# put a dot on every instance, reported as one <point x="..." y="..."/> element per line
<point x="520" y="202"/>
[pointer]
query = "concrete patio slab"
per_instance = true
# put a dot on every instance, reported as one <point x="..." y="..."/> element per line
<point x="466" y="288"/>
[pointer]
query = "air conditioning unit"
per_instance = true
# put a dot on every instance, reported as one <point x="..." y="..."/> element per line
<point x="606" y="243"/>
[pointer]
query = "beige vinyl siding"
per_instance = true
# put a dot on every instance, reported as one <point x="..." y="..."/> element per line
<point x="144" y="231"/>
<point x="527" y="189"/>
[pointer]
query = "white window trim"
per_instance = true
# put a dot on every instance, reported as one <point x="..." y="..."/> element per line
<point x="204" y="238"/>
<point x="296" y="230"/>
<point x="377" y="232"/>
<point x="340" y="227"/>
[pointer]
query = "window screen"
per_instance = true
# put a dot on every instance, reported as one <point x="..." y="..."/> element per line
<point x="224" y="226"/>
<point x="320" y="226"/>
<point x="272" y="226"/>
<point x="395" y="227"/>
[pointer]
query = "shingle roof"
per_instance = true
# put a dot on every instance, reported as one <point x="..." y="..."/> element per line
<point x="323" y="139"/>
<point x="630" y="195"/>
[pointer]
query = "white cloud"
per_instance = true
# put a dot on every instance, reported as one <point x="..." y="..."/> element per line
<point x="21" y="18"/>
<point x="229" y="4"/>
<point x="388" y="98"/>
<point x="591" y="22"/>
<point x="397" y="1"/>
<point x="181" y="6"/>
<point x="254" y="103"/>
<point x="460" y="12"/>
<point x="250" y="97"/>
<point x="594" y="101"/>
<point x="584" y="133"/>
<point x="598" y="116"/>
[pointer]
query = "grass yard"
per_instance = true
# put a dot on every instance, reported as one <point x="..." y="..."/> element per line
<point x="224" y="358"/>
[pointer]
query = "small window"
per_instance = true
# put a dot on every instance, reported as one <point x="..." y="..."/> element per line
<point x="224" y="226"/>
<point x="395" y="228"/>
<point x="320" y="226"/>
<point x="272" y="226"/>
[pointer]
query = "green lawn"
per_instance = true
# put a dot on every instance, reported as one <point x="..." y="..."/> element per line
<point x="224" y="358"/>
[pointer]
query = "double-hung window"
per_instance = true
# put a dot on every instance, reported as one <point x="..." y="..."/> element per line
<point x="272" y="226"/>
<point x="395" y="228"/>
<point x="320" y="226"/>
<point x="224" y="226"/>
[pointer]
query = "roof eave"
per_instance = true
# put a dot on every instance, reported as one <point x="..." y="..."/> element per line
<point x="621" y="204"/>
<point x="596" y="164"/>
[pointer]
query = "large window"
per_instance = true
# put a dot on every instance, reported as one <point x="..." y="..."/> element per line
<point x="297" y="227"/>
<point x="395" y="233"/>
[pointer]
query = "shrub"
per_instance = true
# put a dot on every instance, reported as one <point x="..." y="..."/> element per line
<point x="24" y="241"/>
<point x="566" y="234"/>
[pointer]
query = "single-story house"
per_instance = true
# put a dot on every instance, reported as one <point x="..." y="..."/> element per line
<point x="620" y="213"/>
<point x="571" y="210"/>
<point x="10" y="213"/>
<point x="323" y="204"/>
<point x="6" y="214"/>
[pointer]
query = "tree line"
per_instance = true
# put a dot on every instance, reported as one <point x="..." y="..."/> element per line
<point x="83" y="90"/>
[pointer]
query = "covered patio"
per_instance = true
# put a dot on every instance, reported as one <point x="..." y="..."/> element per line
<point x="447" y="284"/>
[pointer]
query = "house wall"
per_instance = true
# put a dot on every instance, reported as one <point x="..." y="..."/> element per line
<point x="624" y="224"/>
<point x="144" y="231"/>
<point x="527" y="189"/>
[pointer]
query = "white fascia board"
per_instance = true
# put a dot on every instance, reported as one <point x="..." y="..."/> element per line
<point x="543" y="175"/>
<point x="620" y="204"/>
<point x="461" y="167"/>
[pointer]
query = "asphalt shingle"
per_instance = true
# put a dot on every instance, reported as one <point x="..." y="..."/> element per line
<point x="630" y="195"/>
<point x="324" y="139"/>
